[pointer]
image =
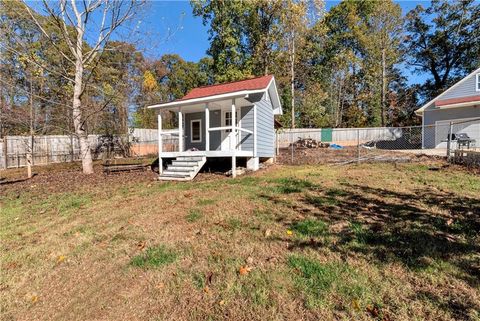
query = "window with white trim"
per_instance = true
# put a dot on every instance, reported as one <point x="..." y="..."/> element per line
<point x="228" y="120"/>
<point x="196" y="131"/>
<point x="477" y="83"/>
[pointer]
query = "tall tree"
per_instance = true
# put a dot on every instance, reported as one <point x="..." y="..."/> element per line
<point x="228" y="46"/>
<point x="381" y="40"/>
<point x="443" y="42"/>
<point x="73" y="22"/>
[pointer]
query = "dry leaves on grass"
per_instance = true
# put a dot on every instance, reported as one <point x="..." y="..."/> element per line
<point x="141" y="245"/>
<point x="244" y="270"/>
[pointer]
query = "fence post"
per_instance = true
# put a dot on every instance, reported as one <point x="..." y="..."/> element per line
<point x="48" y="148"/>
<point x="358" y="146"/>
<point x="449" y="140"/>
<point x="5" y="152"/>
<point x="71" y="148"/>
<point x="291" y="144"/>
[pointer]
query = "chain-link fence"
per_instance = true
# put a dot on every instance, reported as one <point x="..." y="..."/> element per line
<point x="348" y="145"/>
<point x="463" y="142"/>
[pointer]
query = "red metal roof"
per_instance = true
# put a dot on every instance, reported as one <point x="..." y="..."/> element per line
<point x="460" y="100"/>
<point x="258" y="83"/>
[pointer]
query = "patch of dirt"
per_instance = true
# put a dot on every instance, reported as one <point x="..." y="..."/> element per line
<point x="67" y="177"/>
<point x="316" y="156"/>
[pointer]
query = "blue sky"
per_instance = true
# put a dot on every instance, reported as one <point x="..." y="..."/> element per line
<point x="189" y="37"/>
<point x="167" y="27"/>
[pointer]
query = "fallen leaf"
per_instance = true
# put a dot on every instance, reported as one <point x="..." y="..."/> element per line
<point x="373" y="310"/>
<point x="356" y="305"/>
<point x="268" y="233"/>
<point x="141" y="245"/>
<point x="209" y="277"/>
<point x="206" y="289"/>
<point x="221" y="302"/>
<point x="60" y="258"/>
<point x="244" y="270"/>
<point x="289" y="232"/>
<point x="450" y="221"/>
<point x="34" y="298"/>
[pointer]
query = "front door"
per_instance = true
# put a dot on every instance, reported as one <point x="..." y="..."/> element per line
<point x="230" y="141"/>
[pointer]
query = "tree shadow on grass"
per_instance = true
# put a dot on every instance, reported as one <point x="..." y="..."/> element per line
<point x="420" y="229"/>
<point x="405" y="226"/>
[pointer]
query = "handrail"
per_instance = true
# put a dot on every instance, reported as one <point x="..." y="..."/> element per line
<point x="230" y="127"/>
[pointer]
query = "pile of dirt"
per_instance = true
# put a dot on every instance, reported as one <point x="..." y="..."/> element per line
<point x="310" y="143"/>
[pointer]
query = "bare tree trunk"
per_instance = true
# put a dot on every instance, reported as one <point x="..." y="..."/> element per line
<point x="384" y="82"/>
<point x="30" y="146"/>
<point x="85" y="153"/>
<point x="292" y="79"/>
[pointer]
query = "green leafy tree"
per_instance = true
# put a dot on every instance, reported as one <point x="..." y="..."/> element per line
<point x="443" y="42"/>
<point x="228" y="47"/>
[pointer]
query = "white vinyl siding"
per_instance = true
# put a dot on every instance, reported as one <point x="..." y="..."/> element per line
<point x="265" y="128"/>
<point x="477" y="86"/>
<point x="247" y="123"/>
<point x="467" y="88"/>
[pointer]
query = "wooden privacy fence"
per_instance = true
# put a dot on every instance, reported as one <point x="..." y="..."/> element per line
<point x="64" y="148"/>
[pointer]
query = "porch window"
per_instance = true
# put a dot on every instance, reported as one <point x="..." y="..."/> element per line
<point x="228" y="120"/>
<point x="477" y="83"/>
<point x="196" y="131"/>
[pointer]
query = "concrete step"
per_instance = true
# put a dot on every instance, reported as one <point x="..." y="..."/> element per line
<point x="184" y="163"/>
<point x="180" y="168"/>
<point x="176" y="173"/>
<point x="174" y="178"/>
<point x="190" y="158"/>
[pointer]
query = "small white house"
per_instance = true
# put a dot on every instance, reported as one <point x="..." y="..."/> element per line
<point x="230" y="121"/>
<point x="459" y="104"/>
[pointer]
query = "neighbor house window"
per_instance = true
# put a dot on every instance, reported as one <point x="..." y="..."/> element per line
<point x="196" y="131"/>
<point x="477" y="83"/>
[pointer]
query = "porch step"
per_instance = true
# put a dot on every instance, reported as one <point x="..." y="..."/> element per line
<point x="169" y="172"/>
<point x="190" y="158"/>
<point x="180" y="168"/>
<point x="183" y="168"/>
<point x="185" y="163"/>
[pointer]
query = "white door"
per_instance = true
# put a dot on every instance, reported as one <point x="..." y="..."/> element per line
<point x="230" y="141"/>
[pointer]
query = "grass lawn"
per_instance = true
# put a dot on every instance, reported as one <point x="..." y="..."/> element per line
<point x="361" y="242"/>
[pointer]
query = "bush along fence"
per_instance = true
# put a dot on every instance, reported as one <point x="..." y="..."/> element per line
<point x="48" y="149"/>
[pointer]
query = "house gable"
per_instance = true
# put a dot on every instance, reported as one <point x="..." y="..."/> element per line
<point x="467" y="87"/>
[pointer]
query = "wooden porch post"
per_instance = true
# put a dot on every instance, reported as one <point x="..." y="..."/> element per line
<point x="180" y="130"/>
<point x="160" y="144"/>
<point x="234" y="135"/>
<point x="207" y="127"/>
<point x="255" y="130"/>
